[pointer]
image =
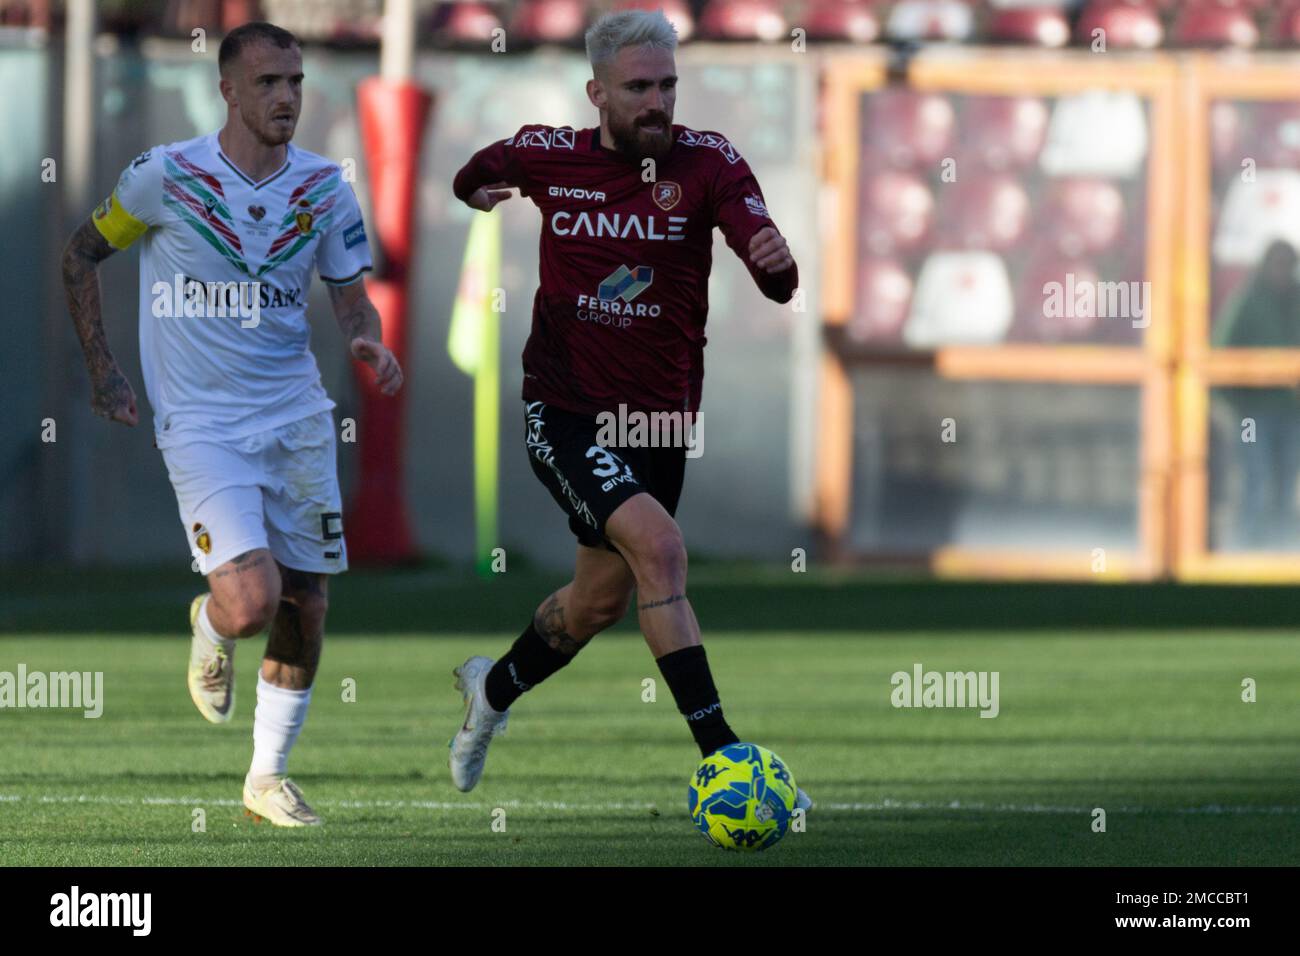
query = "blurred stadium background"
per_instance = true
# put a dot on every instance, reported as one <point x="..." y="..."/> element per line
<point x="923" y="424"/>
<point x="934" y="164"/>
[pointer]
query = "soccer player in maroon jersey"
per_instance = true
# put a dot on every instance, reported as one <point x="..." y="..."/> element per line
<point x="628" y="212"/>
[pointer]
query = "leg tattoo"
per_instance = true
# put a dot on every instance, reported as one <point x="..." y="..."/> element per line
<point x="549" y="622"/>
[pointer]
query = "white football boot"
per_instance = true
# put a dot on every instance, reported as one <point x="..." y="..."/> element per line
<point x="468" y="749"/>
<point x="803" y="801"/>
<point x="282" y="803"/>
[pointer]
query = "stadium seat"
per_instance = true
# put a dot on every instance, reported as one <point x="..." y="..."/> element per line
<point x="896" y="212"/>
<point x="950" y="20"/>
<point x="1219" y="23"/>
<point x="1256" y="213"/>
<point x="678" y="13"/>
<point x="742" y="20"/>
<point x="960" y="298"/>
<point x="884" y="296"/>
<point x="910" y="128"/>
<point x="1003" y="132"/>
<point x="1126" y="24"/>
<point x="465" y="23"/>
<point x="841" y="20"/>
<point x="1083" y="216"/>
<point x="549" y="21"/>
<point x="1096" y="133"/>
<point x="983" y="212"/>
<point x="1076" y="320"/>
<point x="1033" y="25"/>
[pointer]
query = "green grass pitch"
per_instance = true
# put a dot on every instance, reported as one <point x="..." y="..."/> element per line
<point x="1148" y="725"/>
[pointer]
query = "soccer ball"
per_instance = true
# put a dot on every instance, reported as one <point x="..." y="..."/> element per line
<point x="742" y="797"/>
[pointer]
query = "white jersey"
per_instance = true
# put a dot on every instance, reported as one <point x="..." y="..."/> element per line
<point x="225" y="265"/>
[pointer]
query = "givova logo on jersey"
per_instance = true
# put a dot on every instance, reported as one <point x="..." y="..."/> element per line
<point x="612" y="305"/>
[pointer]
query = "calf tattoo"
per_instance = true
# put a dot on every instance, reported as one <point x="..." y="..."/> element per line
<point x="664" y="603"/>
<point x="294" y="641"/>
<point x="549" y="622"/>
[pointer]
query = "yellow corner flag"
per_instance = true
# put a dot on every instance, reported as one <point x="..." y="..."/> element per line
<point x="474" y="345"/>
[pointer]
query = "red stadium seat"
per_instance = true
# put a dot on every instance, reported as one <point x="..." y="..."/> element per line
<point x="841" y="20"/>
<point x="983" y="212"/>
<point x="678" y="13"/>
<point x="1215" y="23"/>
<point x="950" y="20"/>
<point x="742" y="20"/>
<point x="465" y="24"/>
<point x="1083" y="216"/>
<point x="1074" y="319"/>
<point x="1036" y="26"/>
<point x="1004" y="132"/>
<point x="910" y="128"/>
<point x="549" y="21"/>
<point x="896" y="212"/>
<point x="884" y="297"/>
<point x="1126" y="24"/>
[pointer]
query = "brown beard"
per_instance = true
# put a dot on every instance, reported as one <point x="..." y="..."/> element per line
<point x="629" y="141"/>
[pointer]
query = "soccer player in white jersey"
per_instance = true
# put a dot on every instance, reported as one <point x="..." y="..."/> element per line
<point x="230" y="227"/>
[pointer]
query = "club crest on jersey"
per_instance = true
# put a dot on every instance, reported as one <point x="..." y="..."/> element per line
<point x="257" y="212"/>
<point x="202" y="540"/>
<point x="304" y="217"/>
<point x="666" y="194"/>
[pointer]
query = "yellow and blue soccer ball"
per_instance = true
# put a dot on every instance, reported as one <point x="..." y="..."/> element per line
<point x="742" y="797"/>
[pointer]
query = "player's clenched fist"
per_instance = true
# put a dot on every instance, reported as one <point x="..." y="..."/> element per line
<point x="112" y="397"/>
<point x="486" y="197"/>
<point x="768" y="251"/>
<point x="388" y="373"/>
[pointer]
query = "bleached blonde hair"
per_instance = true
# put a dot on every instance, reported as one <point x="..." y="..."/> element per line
<point x="624" y="28"/>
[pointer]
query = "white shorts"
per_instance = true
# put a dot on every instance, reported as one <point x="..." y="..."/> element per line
<point x="277" y="489"/>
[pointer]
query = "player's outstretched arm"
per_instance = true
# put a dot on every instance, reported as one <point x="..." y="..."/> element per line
<point x="359" y="320"/>
<point x="111" y="394"/>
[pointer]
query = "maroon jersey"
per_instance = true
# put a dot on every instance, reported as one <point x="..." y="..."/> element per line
<point x="619" y="315"/>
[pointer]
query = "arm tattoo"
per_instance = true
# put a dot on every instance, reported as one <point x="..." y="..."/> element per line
<point x="85" y="250"/>
<point x="664" y="603"/>
<point x="357" y="318"/>
<point x="549" y="622"/>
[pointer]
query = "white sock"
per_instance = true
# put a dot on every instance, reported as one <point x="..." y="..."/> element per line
<point x="210" y="632"/>
<point x="276" y="723"/>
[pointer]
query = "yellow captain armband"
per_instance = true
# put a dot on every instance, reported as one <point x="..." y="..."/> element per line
<point x="115" y="224"/>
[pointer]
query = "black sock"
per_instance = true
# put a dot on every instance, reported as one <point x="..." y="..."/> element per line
<point x="689" y="679"/>
<point x="529" y="661"/>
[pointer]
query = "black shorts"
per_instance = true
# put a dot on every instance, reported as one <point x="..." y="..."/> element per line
<point x="589" y="482"/>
